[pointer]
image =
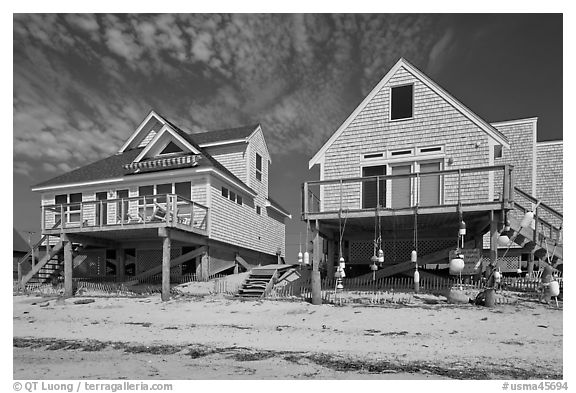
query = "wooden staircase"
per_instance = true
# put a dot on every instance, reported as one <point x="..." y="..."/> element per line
<point x="261" y="281"/>
<point x="544" y="237"/>
<point x="42" y="270"/>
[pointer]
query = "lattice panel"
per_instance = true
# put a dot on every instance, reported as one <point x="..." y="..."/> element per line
<point x="90" y="263"/>
<point x="508" y="264"/>
<point x="395" y="251"/>
<point x="147" y="259"/>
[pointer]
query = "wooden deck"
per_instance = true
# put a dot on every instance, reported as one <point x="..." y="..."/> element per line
<point x="117" y="217"/>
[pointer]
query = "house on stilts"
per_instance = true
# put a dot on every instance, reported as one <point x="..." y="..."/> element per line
<point x="410" y="164"/>
<point x="168" y="203"/>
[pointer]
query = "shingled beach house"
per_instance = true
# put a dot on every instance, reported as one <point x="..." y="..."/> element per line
<point x="167" y="203"/>
<point x="410" y="164"/>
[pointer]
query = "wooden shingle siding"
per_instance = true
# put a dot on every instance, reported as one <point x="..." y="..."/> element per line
<point x="521" y="136"/>
<point x="233" y="157"/>
<point x="152" y="127"/>
<point x="240" y="225"/>
<point x="435" y="122"/>
<point x="549" y="179"/>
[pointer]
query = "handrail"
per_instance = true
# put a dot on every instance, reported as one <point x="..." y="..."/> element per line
<point x="409" y="175"/>
<point x="541" y="204"/>
<point x="37" y="244"/>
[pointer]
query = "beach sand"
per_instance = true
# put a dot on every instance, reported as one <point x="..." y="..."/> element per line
<point x="214" y="337"/>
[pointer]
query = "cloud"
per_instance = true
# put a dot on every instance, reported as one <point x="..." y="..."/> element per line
<point x="82" y="83"/>
<point x="440" y="52"/>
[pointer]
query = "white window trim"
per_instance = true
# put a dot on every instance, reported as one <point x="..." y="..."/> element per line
<point x="414" y="163"/>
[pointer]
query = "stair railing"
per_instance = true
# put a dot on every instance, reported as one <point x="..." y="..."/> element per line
<point x="36" y="246"/>
<point x="270" y="285"/>
<point x="541" y="210"/>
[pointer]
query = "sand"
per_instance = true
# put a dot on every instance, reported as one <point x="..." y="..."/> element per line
<point x="213" y="337"/>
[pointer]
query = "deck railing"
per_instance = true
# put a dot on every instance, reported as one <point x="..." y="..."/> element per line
<point x="452" y="187"/>
<point x="170" y="209"/>
<point x="547" y="221"/>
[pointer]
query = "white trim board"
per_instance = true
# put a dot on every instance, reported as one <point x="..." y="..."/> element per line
<point x="165" y="129"/>
<point x="139" y="129"/>
<point x="489" y="129"/>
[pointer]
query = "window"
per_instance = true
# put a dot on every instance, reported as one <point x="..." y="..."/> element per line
<point x="401" y="106"/>
<point x="232" y="196"/>
<point x="72" y="211"/>
<point x="170" y="148"/>
<point x="162" y="190"/>
<point x="497" y="151"/>
<point x="401" y="153"/>
<point x="238" y="199"/>
<point x="224" y="192"/>
<point x="258" y="167"/>
<point x="258" y="210"/>
<point x="374" y="155"/>
<point x="184" y="190"/>
<point x="373" y="194"/>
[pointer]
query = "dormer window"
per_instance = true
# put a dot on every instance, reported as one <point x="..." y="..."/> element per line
<point x="402" y="102"/>
<point x="258" y="167"/>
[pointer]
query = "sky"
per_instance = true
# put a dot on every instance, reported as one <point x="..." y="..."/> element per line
<point x="82" y="83"/>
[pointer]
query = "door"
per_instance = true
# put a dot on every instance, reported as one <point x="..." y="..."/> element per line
<point x="370" y="189"/>
<point x="430" y="185"/>
<point x="401" y="186"/>
<point x="101" y="209"/>
<point x="122" y="206"/>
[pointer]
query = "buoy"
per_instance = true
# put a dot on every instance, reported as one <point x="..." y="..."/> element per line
<point x="416" y="276"/>
<point x="503" y="240"/>
<point x="527" y="219"/>
<point x="462" y="229"/>
<point x="307" y="258"/>
<point x="342" y="263"/>
<point x="337" y="274"/>
<point x="519" y="271"/>
<point x="373" y="267"/>
<point x="554" y="289"/>
<point x="374" y="259"/>
<point x="339" y="286"/>
<point x="342" y="274"/>
<point x="380" y="256"/>
<point x="507" y="226"/>
<point x="414" y="256"/>
<point x="300" y="257"/>
<point x="497" y="276"/>
<point x="456" y="265"/>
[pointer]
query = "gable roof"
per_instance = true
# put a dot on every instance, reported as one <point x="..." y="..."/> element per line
<point x="113" y="167"/>
<point x="489" y="129"/>
<point x="228" y="134"/>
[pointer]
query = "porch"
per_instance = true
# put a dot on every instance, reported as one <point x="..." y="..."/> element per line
<point x="114" y="218"/>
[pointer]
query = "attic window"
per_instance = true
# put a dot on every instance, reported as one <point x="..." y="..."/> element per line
<point x="402" y="102"/>
<point x="374" y="155"/>
<point x="258" y="167"/>
<point x="171" y="147"/>
<point x="497" y="151"/>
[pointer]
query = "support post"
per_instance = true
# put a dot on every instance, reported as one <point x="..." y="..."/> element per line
<point x="493" y="243"/>
<point x="67" y="267"/>
<point x="166" y="246"/>
<point x="530" y="263"/>
<point x="331" y="257"/>
<point x="316" y="255"/>
<point x="203" y="269"/>
<point x="120" y="264"/>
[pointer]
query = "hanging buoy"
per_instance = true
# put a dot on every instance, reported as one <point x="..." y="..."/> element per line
<point x="519" y="271"/>
<point x="503" y="240"/>
<point x="414" y="256"/>
<point x="456" y="265"/>
<point x="307" y="258"/>
<point x="554" y="289"/>
<point x="342" y="264"/>
<point x="342" y="273"/>
<point x="507" y="226"/>
<point x="497" y="276"/>
<point x="462" y="229"/>
<point x="374" y="259"/>
<point x="380" y="256"/>
<point x="339" y="286"/>
<point x="373" y="267"/>
<point x="300" y="257"/>
<point x="527" y="219"/>
<point x="416" y="276"/>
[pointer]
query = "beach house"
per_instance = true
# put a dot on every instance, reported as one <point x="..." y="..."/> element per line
<point x="412" y="168"/>
<point x="167" y="203"/>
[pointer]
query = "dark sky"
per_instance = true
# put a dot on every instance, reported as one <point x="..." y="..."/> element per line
<point x="82" y="83"/>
